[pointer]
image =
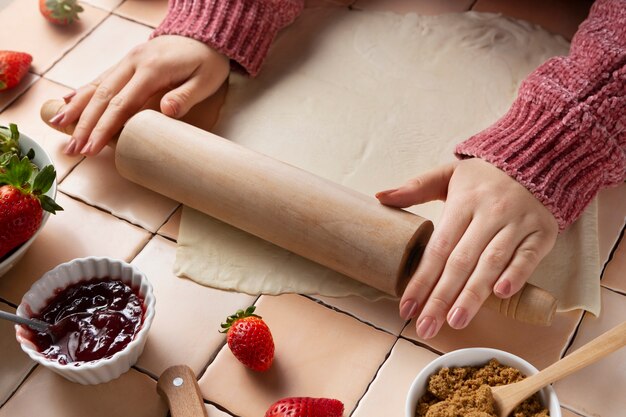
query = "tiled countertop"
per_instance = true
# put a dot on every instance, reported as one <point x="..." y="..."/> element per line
<point x="367" y="358"/>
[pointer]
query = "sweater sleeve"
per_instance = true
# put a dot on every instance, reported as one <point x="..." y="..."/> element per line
<point x="243" y="30"/>
<point x="564" y="138"/>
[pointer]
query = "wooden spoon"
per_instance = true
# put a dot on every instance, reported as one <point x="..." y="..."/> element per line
<point x="178" y="386"/>
<point x="507" y="397"/>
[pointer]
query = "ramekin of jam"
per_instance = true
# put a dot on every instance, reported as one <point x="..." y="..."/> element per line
<point x="100" y="309"/>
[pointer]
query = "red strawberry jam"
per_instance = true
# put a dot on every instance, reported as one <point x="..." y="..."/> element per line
<point x="91" y="320"/>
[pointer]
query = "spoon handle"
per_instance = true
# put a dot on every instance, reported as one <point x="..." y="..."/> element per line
<point x="178" y="386"/>
<point x="589" y="353"/>
<point x="38" y="325"/>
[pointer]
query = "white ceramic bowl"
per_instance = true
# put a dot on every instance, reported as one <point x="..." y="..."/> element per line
<point x="41" y="160"/>
<point x="477" y="357"/>
<point x="102" y="370"/>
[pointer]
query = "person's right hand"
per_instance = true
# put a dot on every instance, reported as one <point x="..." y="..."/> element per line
<point x="187" y="70"/>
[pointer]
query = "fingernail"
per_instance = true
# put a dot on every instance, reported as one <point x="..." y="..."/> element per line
<point x="458" y="318"/>
<point x="68" y="97"/>
<point x="86" y="148"/>
<point x="386" y="192"/>
<point x="69" y="149"/>
<point x="56" y="119"/>
<point x="503" y="288"/>
<point x="426" y="328"/>
<point x="173" y="107"/>
<point x="408" y="309"/>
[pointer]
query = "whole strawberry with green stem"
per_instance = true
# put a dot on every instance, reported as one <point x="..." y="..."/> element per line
<point x="60" y="12"/>
<point x="306" y="407"/>
<point x="249" y="339"/>
<point x="13" y="66"/>
<point x="22" y="199"/>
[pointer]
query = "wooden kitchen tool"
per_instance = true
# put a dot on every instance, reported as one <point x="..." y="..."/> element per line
<point x="320" y="220"/>
<point x="179" y="388"/>
<point x="507" y="397"/>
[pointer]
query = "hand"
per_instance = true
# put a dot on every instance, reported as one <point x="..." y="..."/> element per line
<point x="492" y="234"/>
<point x="188" y="71"/>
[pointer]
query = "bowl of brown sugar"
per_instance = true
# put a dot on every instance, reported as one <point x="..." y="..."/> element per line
<point x="457" y="385"/>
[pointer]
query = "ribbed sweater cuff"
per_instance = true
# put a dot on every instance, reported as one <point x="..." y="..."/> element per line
<point x="243" y="30"/>
<point x="563" y="160"/>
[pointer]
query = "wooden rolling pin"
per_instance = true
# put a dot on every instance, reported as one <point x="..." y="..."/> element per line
<point x="320" y="220"/>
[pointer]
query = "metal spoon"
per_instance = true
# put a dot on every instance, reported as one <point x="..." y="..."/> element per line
<point x="38" y="325"/>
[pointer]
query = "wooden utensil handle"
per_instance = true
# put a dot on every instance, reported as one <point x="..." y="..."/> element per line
<point x="531" y="304"/>
<point x="178" y="386"/>
<point x="507" y="397"/>
<point x="585" y="355"/>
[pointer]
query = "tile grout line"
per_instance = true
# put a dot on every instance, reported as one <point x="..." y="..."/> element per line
<point x="380" y="366"/>
<point x="7" y="302"/>
<point x="619" y="240"/>
<point x="79" y="41"/>
<point x="19" y="385"/>
<point x="338" y="310"/>
<point x="220" y="407"/>
<point x="422" y="345"/>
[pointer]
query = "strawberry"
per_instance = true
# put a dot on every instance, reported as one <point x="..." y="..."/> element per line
<point x="60" y="12"/>
<point x="250" y="339"/>
<point x="13" y="66"/>
<point x="22" y="189"/>
<point x="305" y="407"/>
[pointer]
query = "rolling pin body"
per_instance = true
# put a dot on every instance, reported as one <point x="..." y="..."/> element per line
<point x="161" y="154"/>
<point x="330" y="224"/>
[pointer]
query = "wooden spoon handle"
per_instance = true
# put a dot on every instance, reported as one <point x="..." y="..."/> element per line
<point x="589" y="353"/>
<point x="178" y="386"/>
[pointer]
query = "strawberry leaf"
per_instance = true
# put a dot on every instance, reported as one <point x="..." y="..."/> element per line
<point x="48" y="204"/>
<point x="44" y="180"/>
<point x="17" y="172"/>
<point x="9" y="139"/>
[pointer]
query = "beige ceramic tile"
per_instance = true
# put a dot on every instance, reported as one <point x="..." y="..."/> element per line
<point x="148" y="12"/>
<point x="388" y="393"/>
<point x="188" y="316"/>
<point x="598" y="389"/>
<point x="611" y="218"/>
<point x="382" y="313"/>
<point x="14" y="364"/>
<point x="567" y="413"/>
<point x="319" y="353"/>
<point x="25" y="113"/>
<point x="46" y="394"/>
<point x="76" y="232"/>
<point x="96" y="182"/>
<point x="424" y="7"/>
<point x="558" y="16"/>
<point x="108" y="5"/>
<point x="615" y="273"/>
<point x="490" y="329"/>
<point x="215" y="412"/>
<point x="171" y="227"/>
<point x="24" y="29"/>
<point x="103" y="48"/>
<point x="4" y="3"/>
<point x="6" y="97"/>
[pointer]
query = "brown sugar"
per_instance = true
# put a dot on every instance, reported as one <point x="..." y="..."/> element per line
<point x="464" y="392"/>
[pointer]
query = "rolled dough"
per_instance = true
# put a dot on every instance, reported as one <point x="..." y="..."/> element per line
<point x="369" y="100"/>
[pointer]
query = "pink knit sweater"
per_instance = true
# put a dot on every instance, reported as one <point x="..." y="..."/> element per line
<point x="564" y="137"/>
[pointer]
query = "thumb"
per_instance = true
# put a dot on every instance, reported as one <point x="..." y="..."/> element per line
<point x="432" y="185"/>
<point x="180" y="100"/>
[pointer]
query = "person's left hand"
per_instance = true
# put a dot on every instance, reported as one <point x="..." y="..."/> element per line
<point x="492" y="234"/>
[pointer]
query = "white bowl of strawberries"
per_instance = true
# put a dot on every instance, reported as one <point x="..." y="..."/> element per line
<point x="27" y="190"/>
